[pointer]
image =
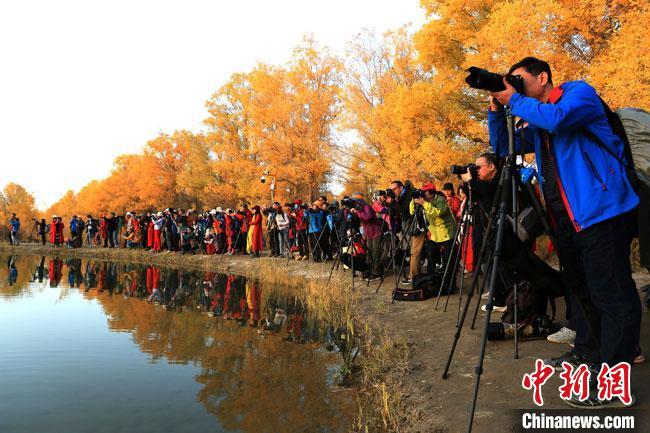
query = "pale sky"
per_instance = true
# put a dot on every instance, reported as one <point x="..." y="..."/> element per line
<point x="84" y="81"/>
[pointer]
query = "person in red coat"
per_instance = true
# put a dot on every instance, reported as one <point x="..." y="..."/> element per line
<point x="56" y="231"/>
<point x="255" y="225"/>
<point x="452" y="200"/>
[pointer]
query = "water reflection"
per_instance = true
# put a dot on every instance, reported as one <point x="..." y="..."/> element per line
<point x="258" y="351"/>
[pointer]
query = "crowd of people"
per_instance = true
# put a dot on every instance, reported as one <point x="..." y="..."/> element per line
<point x="582" y="180"/>
<point x="319" y="231"/>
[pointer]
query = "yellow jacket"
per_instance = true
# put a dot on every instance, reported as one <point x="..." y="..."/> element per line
<point x="442" y="223"/>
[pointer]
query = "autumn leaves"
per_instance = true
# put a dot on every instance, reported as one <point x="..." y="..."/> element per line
<point x="393" y="106"/>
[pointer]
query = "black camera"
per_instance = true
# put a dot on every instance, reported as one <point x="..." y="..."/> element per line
<point x="348" y="203"/>
<point x="485" y="80"/>
<point x="462" y="169"/>
<point x="418" y="193"/>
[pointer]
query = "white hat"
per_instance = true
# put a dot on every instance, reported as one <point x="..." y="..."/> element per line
<point x="213" y="212"/>
<point x="129" y="214"/>
<point x="159" y="214"/>
<point x="219" y="209"/>
<point x="54" y="216"/>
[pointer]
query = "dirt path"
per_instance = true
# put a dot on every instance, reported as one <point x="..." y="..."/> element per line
<point x="434" y="404"/>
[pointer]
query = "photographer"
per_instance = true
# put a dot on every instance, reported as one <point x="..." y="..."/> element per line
<point x="41" y="229"/>
<point x="316" y="226"/>
<point x="517" y="255"/>
<point x="588" y="197"/>
<point x="372" y="231"/>
<point x="441" y="224"/>
<point x="14" y="227"/>
<point x="272" y="228"/>
<point x="452" y="200"/>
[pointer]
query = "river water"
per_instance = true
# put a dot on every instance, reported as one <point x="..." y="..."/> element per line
<point x="93" y="346"/>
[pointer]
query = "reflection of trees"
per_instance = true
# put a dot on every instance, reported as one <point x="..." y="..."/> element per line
<point x="266" y="387"/>
<point x="250" y="382"/>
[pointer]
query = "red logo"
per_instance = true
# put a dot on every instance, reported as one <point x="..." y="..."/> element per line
<point x="537" y="379"/>
<point x="575" y="381"/>
<point x="615" y="382"/>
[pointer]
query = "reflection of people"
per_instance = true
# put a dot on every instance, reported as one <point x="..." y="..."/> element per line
<point x="56" y="267"/>
<point x="13" y="272"/>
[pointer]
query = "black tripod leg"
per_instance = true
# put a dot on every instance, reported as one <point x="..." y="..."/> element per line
<point x="495" y="270"/>
<point x="407" y="239"/>
<point x="452" y="259"/>
<point x="454" y="246"/>
<point x="478" y="302"/>
<point x="462" y="248"/>
<point x="453" y="276"/>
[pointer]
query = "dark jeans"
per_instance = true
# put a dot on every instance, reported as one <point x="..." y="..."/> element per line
<point x="604" y="301"/>
<point x="302" y="242"/>
<point x="109" y="238"/>
<point x="435" y="251"/>
<point x="274" y="241"/>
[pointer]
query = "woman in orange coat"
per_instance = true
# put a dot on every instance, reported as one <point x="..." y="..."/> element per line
<point x="256" y="227"/>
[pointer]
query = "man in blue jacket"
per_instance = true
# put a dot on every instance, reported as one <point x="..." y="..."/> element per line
<point x="588" y="198"/>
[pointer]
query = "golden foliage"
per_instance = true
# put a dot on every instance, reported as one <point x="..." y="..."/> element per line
<point x="395" y="107"/>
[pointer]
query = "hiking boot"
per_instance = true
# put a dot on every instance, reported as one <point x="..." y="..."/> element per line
<point x="593" y="402"/>
<point x="570" y="358"/>
<point x="563" y="336"/>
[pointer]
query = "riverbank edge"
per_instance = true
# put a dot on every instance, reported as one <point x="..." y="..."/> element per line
<point x="385" y="353"/>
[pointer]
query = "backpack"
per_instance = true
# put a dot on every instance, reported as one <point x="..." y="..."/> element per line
<point x="632" y="126"/>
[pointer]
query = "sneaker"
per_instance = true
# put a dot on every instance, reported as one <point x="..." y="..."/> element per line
<point x="639" y="357"/>
<point x="495" y="308"/>
<point x="569" y="357"/>
<point x="371" y="278"/>
<point x="407" y="281"/>
<point x="563" y="336"/>
<point x="485" y="295"/>
<point x="593" y="402"/>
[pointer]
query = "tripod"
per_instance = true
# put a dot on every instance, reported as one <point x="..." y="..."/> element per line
<point x="462" y="229"/>
<point x="407" y="238"/>
<point x="507" y="185"/>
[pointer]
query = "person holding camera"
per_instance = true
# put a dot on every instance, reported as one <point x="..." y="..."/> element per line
<point x="14" y="227"/>
<point x="41" y="229"/>
<point x="589" y="199"/>
<point x="452" y="199"/>
<point x="401" y="195"/>
<point x="441" y="226"/>
<point x="371" y="227"/>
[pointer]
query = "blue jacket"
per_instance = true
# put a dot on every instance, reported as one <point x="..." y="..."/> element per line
<point x="316" y="220"/>
<point x="593" y="184"/>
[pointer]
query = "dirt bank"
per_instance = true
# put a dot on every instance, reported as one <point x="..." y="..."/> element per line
<point x="426" y="403"/>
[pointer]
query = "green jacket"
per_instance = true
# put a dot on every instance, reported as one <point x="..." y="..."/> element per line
<point x="442" y="223"/>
